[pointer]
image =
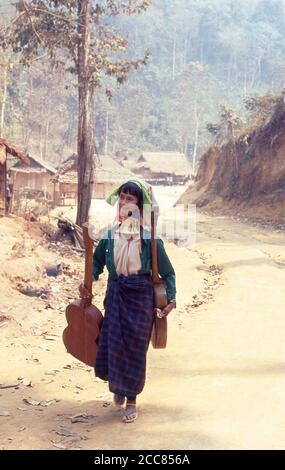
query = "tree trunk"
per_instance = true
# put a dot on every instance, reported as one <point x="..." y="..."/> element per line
<point x="185" y="146"/>
<point x="47" y="124"/>
<point x="26" y="127"/>
<point x="85" y="142"/>
<point x="230" y="63"/>
<point x="245" y="82"/>
<point x="41" y="142"/>
<point x="255" y="72"/>
<point x="46" y="139"/>
<point x="3" y="102"/>
<point x="202" y="52"/>
<point x="185" y="53"/>
<point x="106" y="134"/>
<point x="174" y="56"/>
<point x="69" y="132"/>
<point x="196" y="137"/>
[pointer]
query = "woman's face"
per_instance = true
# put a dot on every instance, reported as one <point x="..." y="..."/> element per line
<point x="127" y="203"/>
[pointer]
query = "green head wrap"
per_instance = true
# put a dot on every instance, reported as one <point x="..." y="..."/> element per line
<point x="143" y="185"/>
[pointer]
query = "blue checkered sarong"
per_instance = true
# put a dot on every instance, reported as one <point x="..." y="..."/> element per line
<point x="125" y="334"/>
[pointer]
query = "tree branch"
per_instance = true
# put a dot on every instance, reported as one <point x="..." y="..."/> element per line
<point x="32" y="23"/>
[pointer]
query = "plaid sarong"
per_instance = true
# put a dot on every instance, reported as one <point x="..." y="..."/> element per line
<point x="125" y="334"/>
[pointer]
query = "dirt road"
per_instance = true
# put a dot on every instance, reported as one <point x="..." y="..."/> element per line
<point x="220" y="384"/>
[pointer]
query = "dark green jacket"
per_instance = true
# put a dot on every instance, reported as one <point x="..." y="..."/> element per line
<point x="104" y="256"/>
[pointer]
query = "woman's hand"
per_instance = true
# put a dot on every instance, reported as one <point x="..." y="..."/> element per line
<point x="166" y="311"/>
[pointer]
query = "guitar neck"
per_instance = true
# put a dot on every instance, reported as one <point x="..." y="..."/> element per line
<point x="154" y="275"/>
<point x="88" y="243"/>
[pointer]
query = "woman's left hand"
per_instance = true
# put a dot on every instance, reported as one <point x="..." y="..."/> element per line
<point x="166" y="311"/>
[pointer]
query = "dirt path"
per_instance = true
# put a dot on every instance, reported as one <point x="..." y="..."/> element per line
<point x="219" y="385"/>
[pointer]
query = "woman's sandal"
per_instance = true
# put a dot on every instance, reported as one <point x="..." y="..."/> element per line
<point x="130" y="414"/>
<point x="119" y="400"/>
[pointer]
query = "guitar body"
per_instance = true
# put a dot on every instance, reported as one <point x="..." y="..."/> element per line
<point x="83" y="319"/>
<point x="82" y="332"/>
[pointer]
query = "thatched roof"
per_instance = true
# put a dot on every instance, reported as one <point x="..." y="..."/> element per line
<point x="14" y="151"/>
<point x="161" y="162"/>
<point x="68" y="165"/>
<point x="70" y="177"/>
<point x="36" y="165"/>
<point x="107" y="170"/>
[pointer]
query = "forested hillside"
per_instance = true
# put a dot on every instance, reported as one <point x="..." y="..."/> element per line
<point x="203" y="54"/>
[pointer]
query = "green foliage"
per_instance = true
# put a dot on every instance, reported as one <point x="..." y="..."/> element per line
<point x="260" y="109"/>
<point x="229" y="126"/>
<point x="54" y="28"/>
<point x="203" y="54"/>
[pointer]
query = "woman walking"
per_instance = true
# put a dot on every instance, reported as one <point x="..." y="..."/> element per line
<point x="125" y="250"/>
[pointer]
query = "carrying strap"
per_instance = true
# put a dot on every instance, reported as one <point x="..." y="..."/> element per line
<point x="154" y="274"/>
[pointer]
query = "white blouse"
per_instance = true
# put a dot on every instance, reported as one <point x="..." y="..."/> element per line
<point x="127" y="246"/>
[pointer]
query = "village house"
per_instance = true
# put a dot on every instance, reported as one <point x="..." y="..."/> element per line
<point x="108" y="175"/>
<point x="6" y="151"/>
<point x="65" y="182"/>
<point x="37" y="177"/>
<point x="163" y="168"/>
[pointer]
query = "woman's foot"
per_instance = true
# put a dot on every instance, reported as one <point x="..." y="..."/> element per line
<point x="130" y="413"/>
<point x="119" y="400"/>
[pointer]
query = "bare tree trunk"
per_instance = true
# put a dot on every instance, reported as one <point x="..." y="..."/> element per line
<point x="85" y="143"/>
<point x="230" y="62"/>
<point x="196" y="137"/>
<point x="106" y="134"/>
<point x="26" y="130"/>
<point x="174" y="56"/>
<point x="185" y="145"/>
<point x="46" y="138"/>
<point x="69" y="132"/>
<point x="235" y="68"/>
<point x="41" y="142"/>
<point x="185" y="53"/>
<point x="202" y="52"/>
<point x="255" y="72"/>
<point x="3" y="102"/>
<point x="245" y="82"/>
<point x="114" y="145"/>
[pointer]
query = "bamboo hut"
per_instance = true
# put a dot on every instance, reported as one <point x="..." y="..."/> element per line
<point x="163" y="168"/>
<point x="6" y="188"/>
